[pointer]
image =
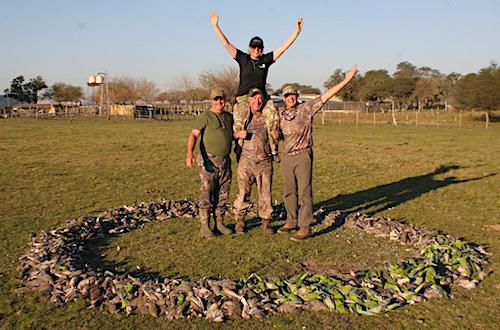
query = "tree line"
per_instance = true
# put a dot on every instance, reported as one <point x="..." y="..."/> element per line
<point x="409" y="87"/>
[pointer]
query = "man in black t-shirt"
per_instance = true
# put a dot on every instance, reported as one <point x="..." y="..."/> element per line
<point x="254" y="67"/>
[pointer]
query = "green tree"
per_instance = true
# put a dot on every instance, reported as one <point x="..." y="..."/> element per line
<point x="430" y="87"/>
<point x="61" y="92"/>
<point x="17" y="91"/>
<point x="26" y="92"/>
<point x="403" y="83"/>
<point x="466" y="91"/>
<point x="489" y="87"/>
<point x="351" y="91"/>
<point x="33" y="87"/>
<point x="479" y="90"/>
<point x="375" y="85"/>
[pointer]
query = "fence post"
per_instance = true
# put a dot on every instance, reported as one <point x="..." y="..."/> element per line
<point x="322" y="117"/>
<point x="437" y="111"/>
<point x="460" y="118"/>
<point x="357" y="118"/>
<point x="416" y="118"/>
<point x="374" y="119"/>
<point x="487" y="117"/>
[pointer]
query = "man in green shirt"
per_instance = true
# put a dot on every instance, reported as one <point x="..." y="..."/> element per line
<point x="215" y="127"/>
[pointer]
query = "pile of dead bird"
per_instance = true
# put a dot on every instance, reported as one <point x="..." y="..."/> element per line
<point x="54" y="265"/>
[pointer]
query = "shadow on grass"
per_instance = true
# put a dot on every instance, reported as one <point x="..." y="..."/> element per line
<point x="380" y="198"/>
<point x="370" y="201"/>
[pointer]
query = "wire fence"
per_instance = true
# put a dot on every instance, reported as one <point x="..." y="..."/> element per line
<point x="338" y="113"/>
<point x="435" y="118"/>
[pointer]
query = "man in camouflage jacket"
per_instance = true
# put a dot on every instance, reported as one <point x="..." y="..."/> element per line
<point x="297" y="156"/>
<point x="255" y="165"/>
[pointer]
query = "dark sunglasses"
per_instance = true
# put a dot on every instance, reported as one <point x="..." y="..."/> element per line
<point x="218" y="98"/>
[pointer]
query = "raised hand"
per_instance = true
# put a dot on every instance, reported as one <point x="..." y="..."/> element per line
<point x="349" y="75"/>
<point x="300" y="23"/>
<point x="214" y="18"/>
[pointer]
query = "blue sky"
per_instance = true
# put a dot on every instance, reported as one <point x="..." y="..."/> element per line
<point x="160" y="40"/>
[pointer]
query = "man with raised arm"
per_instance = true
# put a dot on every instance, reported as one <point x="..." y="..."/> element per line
<point x="297" y="156"/>
<point x="215" y="127"/>
<point x="253" y="74"/>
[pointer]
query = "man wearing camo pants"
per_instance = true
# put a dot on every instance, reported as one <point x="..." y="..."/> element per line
<point x="255" y="165"/>
<point x="215" y="127"/>
<point x="297" y="156"/>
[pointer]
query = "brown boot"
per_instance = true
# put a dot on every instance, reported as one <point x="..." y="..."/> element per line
<point x="302" y="234"/>
<point x="219" y="223"/>
<point x="287" y="228"/>
<point x="205" y="231"/>
<point x="266" y="226"/>
<point x="240" y="224"/>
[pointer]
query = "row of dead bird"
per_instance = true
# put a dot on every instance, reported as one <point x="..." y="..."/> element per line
<point x="54" y="264"/>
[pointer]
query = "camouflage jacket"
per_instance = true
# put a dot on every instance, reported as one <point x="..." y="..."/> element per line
<point x="296" y="126"/>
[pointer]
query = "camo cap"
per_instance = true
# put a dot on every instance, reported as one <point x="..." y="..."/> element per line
<point x="254" y="91"/>
<point x="217" y="92"/>
<point x="290" y="90"/>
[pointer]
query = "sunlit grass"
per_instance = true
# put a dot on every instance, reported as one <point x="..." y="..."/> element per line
<point x="52" y="171"/>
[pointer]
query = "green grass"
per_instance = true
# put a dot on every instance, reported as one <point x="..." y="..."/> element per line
<point x="53" y="171"/>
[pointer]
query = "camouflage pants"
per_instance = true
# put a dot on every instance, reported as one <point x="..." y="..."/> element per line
<point x="269" y="112"/>
<point x="250" y="172"/>
<point x="215" y="175"/>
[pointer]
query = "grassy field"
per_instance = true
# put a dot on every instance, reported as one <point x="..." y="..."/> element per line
<point x="53" y="171"/>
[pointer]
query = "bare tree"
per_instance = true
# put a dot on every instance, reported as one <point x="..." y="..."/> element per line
<point x="129" y="90"/>
<point x="146" y="90"/>
<point x="184" y="88"/>
<point x="226" y="78"/>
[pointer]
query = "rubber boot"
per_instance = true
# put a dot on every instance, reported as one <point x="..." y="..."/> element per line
<point x="219" y="223"/>
<point x="205" y="231"/>
<point x="266" y="226"/>
<point x="240" y="225"/>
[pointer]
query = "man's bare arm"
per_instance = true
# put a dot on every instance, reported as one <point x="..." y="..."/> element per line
<point x="191" y="142"/>
<point x="337" y="88"/>
<point x="214" y="20"/>
<point x="281" y="49"/>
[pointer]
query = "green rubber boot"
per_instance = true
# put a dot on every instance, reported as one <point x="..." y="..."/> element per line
<point x="219" y="223"/>
<point x="205" y="231"/>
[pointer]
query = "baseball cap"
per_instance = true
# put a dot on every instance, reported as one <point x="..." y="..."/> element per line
<point x="256" y="42"/>
<point x="217" y="92"/>
<point x="254" y="91"/>
<point x="290" y="90"/>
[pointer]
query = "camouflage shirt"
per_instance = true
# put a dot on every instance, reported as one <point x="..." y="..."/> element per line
<point x="256" y="144"/>
<point x="296" y="126"/>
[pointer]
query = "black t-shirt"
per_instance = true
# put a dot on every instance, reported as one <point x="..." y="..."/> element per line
<point x="252" y="73"/>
